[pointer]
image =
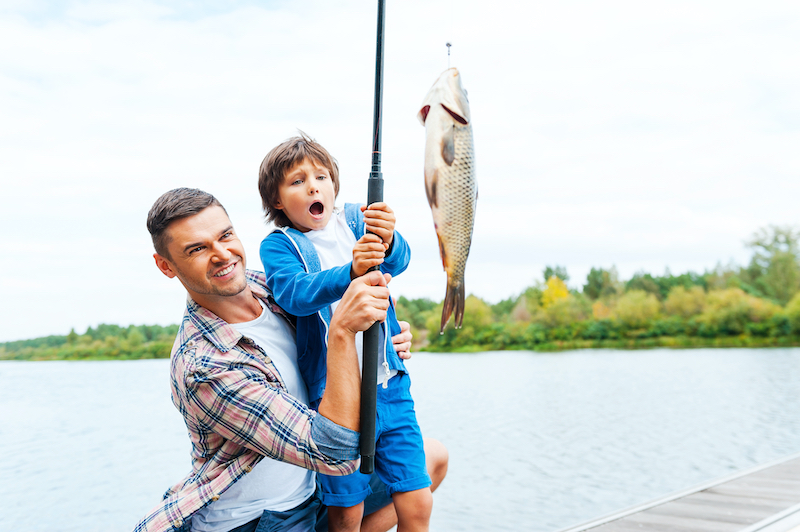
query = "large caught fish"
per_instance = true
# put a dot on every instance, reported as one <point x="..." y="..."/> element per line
<point x="450" y="182"/>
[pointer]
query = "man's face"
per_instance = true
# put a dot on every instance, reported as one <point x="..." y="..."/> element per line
<point x="307" y="195"/>
<point x="205" y="254"/>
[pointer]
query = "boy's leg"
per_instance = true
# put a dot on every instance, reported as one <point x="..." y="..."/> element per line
<point x="341" y="519"/>
<point x="400" y="458"/>
<point x="413" y="510"/>
<point x="436" y="459"/>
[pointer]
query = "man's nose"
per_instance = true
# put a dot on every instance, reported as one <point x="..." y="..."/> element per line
<point x="221" y="252"/>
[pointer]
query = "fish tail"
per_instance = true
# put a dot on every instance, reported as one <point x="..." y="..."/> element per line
<point x="453" y="303"/>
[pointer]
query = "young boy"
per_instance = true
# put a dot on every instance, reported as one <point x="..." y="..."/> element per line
<point x="309" y="262"/>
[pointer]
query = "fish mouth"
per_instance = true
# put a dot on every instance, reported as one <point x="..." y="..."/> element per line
<point x="316" y="208"/>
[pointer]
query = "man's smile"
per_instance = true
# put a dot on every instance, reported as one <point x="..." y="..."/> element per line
<point x="225" y="271"/>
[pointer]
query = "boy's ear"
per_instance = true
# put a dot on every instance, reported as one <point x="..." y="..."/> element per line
<point x="164" y="265"/>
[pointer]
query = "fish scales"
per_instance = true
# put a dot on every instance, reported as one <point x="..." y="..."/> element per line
<point x="450" y="182"/>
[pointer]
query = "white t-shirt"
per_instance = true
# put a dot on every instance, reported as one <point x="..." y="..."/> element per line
<point x="272" y="484"/>
<point x="334" y="244"/>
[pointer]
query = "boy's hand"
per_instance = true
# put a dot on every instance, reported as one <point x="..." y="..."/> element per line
<point x="368" y="252"/>
<point x="380" y="220"/>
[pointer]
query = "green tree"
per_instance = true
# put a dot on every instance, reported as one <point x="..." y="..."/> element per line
<point x="644" y="282"/>
<point x="557" y="271"/>
<point x="637" y="308"/>
<point x="774" y="269"/>
<point x="685" y="303"/>
<point x="601" y="283"/>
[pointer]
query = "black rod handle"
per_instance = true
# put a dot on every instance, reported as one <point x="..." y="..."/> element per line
<point x="369" y="370"/>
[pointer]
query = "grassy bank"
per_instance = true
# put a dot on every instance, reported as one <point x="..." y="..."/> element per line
<point x="678" y="342"/>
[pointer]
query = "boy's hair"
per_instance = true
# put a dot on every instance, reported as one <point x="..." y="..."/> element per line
<point x="279" y="161"/>
<point x="173" y="205"/>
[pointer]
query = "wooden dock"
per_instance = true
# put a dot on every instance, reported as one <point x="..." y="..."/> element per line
<point x="765" y="498"/>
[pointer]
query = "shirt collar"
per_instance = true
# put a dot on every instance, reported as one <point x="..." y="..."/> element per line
<point x="219" y="332"/>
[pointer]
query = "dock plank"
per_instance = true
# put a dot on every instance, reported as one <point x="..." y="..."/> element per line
<point x="756" y="500"/>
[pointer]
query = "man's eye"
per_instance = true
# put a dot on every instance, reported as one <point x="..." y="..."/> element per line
<point x="195" y="250"/>
<point x="228" y="234"/>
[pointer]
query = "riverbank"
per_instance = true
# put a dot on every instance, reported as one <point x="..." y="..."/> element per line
<point x="111" y="350"/>
<point x="677" y="342"/>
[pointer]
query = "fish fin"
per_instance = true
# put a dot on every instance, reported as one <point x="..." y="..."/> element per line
<point x="460" y="301"/>
<point x="442" y="252"/>
<point x="453" y="303"/>
<point x="449" y="146"/>
<point x="430" y="189"/>
<point x="423" y="114"/>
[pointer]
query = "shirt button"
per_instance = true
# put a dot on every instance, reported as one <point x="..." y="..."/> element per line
<point x="179" y="523"/>
<point x="248" y="469"/>
<point x="190" y="343"/>
<point x="215" y="498"/>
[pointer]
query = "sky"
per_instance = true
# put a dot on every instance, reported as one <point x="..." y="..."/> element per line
<point x="621" y="133"/>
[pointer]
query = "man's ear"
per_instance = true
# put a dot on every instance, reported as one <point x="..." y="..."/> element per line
<point x="164" y="265"/>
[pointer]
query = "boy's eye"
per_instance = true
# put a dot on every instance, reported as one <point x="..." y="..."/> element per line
<point x="297" y="182"/>
<point x="322" y="177"/>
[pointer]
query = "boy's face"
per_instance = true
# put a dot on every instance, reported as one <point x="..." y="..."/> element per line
<point x="306" y="196"/>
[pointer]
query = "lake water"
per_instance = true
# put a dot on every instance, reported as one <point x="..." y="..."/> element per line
<point x="537" y="441"/>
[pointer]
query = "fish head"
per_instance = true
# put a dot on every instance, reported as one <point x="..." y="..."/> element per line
<point x="448" y="93"/>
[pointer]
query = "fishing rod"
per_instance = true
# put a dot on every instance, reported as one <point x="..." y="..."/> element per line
<point x="369" y="373"/>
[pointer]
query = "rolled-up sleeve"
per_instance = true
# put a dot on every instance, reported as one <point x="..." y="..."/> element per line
<point x="334" y="440"/>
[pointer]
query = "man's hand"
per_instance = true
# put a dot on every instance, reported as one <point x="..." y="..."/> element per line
<point x="368" y="252"/>
<point x="365" y="302"/>
<point x="402" y="341"/>
<point x="380" y="220"/>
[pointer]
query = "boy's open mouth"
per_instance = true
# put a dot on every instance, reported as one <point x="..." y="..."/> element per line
<point x="316" y="208"/>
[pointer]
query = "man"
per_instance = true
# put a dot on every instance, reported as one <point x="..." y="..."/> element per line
<point x="236" y="382"/>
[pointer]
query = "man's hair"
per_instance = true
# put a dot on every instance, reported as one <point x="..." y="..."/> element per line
<point x="174" y="205"/>
<point x="279" y="161"/>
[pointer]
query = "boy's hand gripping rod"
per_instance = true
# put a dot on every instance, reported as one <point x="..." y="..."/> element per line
<point x="369" y="374"/>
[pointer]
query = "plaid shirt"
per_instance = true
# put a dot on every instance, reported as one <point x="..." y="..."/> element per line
<point x="237" y="410"/>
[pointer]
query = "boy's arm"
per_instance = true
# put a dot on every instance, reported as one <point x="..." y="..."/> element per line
<point x="398" y="256"/>
<point x="295" y="290"/>
<point x="380" y="219"/>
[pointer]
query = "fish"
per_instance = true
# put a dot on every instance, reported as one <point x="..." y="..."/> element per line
<point x="450" y="182"/>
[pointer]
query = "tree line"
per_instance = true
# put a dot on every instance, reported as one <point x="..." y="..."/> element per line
<point x="104" y="342"/>
<point x="727" y="306"/>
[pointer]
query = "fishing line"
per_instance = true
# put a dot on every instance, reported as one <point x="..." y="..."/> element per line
<point x="448" y="54"/>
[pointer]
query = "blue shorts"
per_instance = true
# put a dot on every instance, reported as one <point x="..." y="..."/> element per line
<point x="399" y="451"/>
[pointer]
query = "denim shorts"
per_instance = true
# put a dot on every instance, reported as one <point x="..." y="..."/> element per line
<point x="302" y="518"/>
<point x="399" y="451"/>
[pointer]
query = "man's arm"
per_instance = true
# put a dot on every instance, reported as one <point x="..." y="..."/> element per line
<point x="240" y="404"/>
<point x="365" y="302"/>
